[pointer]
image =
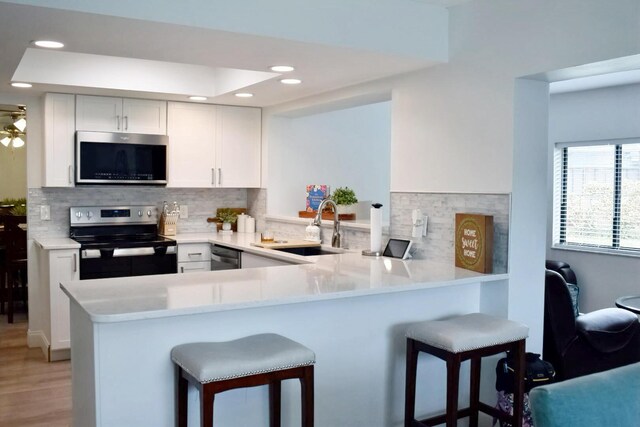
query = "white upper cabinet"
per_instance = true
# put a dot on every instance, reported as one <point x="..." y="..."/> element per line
<point x="213" y="146"/>
<point x="238" y="147"/>
<point x="191" y="156"/>
<point x="107" y="114"/>
<point x="59" y="130"/>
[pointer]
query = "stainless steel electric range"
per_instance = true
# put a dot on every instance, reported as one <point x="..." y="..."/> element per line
<point x="119" y="241"/>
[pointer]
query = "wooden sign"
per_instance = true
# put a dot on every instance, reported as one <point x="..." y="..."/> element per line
<point x="474" y="242"/>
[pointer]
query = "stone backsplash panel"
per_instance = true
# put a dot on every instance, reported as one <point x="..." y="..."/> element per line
<point x="441" y="209"/>
<point x="202" y="204"/>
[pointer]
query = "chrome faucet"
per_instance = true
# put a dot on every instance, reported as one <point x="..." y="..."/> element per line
<point x="335" y="238"/>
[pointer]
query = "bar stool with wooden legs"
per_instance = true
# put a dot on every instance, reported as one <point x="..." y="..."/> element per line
<point x="265" y="359"/>
<point x="469" y="337"/>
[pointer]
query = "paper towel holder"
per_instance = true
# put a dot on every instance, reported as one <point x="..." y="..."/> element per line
<point x="368" y="252"/>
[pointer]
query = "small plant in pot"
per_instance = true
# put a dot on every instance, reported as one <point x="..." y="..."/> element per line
<point x="228" y="217"/>
<point x="346" y="200"/>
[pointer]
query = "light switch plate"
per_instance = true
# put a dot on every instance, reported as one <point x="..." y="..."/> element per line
<point x="45" y="213"/>
<point x="184" y="211"/>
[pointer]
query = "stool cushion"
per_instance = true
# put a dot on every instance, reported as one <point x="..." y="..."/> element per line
<point x="256" y="354"/>
<point x="468" y="332"/>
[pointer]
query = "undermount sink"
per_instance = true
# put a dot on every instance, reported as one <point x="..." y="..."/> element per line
<point x="311" y="250"/>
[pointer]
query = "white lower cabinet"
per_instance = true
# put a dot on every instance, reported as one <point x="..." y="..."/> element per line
<point x="194" y="257"/>
<point x="58" y="266"/>
<point x="250" y="260"/>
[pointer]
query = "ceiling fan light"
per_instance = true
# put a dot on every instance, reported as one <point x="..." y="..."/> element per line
<point x="17" y="142"/>
<point x="21" y="124"/>
<point x="5" y="141"/>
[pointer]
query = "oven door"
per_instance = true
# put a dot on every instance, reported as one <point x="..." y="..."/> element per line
<point x="104" y="263"/>
<point x="118" y="158"/>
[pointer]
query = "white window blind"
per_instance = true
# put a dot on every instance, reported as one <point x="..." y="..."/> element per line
<point x="597" y="194"/>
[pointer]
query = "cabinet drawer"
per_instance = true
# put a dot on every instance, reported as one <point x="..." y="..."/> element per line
<point x="190" y="267"/>
<point x="194" y="252"/>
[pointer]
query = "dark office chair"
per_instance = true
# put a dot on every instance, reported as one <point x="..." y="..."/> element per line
<point x="592" y="342"/>
<point x="15" y="263"/>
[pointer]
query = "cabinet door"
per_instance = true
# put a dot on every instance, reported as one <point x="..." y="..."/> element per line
<point x="191" y="129"/>
<point x="238" y="146"/>
<point x="63" y="267"/>
<point x="144" y="116"/>
<point x="191" y="267"/>
<point x="99" y="113"/>
<point x="59" y="130"/>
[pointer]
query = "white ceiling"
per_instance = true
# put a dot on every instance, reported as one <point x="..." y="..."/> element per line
<point x="322" y="68"/>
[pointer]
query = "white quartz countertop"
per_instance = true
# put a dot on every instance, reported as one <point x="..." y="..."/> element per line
<point x="53" y="243"/>
<point x="319" y="278"/>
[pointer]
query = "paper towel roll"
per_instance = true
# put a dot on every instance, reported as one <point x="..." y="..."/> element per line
<point x="250" y="225"/>
<point x="242" y="222"/>
<point x="376" y="229"/>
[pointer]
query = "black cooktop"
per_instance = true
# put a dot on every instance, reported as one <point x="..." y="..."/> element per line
<point x="107" y="237"/>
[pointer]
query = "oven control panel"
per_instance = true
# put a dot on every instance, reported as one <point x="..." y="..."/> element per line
<point x="112" y="215"/>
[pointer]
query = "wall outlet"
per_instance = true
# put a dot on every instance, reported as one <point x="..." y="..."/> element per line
<point x="45" y="213"/>
<point x="184" y="211"/>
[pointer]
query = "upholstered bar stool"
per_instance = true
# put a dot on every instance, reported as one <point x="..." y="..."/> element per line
<point x="266" y="359"/>
<point x="469" y="337"/>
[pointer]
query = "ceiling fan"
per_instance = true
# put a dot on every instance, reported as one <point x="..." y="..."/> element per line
<point x="13" y="133"/>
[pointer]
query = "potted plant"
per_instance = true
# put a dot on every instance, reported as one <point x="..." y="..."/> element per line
<point x="346" y="200"/>
<point x="228" y="216"/>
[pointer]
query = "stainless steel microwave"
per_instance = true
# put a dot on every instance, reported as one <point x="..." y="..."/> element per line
<point x="121" y="158"/>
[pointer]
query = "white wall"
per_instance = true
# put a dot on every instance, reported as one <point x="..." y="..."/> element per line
<point x="344" y="148"/>
<point x="13" y="178"/>
<point x="590" y="115"/>
<point x="453" y="124"/>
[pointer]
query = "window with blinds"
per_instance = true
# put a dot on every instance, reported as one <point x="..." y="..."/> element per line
<point x="597" y="194"/>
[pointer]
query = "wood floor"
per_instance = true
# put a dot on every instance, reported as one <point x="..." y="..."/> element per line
<point x="33" y="392"/>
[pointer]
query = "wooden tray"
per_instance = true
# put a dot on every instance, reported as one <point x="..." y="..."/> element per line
<point x="327" y="215"/>
<point x="234" y="226"/>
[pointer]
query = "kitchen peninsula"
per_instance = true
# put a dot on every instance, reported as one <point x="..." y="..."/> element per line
<point x="350" y="309"/>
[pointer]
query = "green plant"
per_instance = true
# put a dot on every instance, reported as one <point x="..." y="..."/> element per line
<point x="14" y="202"/>
<point x="344" y="196"/>
<point x="19" y="210"/>
<point x="227" y="215"/>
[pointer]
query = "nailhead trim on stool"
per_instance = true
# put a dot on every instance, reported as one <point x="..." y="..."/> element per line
<point x="265" y="359"/>
<point x="469" y="337"/>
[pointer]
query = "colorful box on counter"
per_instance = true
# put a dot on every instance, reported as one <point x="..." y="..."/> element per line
<point x="315" y="194"/>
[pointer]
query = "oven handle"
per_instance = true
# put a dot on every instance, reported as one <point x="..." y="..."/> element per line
<point x="122" y="252"/>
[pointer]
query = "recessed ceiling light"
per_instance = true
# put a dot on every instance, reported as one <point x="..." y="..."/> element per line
<point x="244" y="95"/>
<point x="282" y="68"/>
<point x="291" y="81"/>
<point x="49" y="44"/>
<point x="21" y="85"/>
<point x="198" y="98"/>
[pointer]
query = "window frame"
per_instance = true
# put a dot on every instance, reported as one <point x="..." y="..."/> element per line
<point x="560" y="195"/>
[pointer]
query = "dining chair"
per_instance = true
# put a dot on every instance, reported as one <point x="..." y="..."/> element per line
<point x="15" y="260"/>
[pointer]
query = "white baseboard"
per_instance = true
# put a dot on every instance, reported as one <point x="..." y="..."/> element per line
<point x="37" y="339"/>
<point x="57" y="355"/>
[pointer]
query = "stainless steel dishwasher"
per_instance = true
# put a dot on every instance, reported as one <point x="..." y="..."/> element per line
<point x="224" y="258"/>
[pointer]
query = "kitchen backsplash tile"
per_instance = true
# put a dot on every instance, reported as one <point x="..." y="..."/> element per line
<point x="257" y="206"/>
<point x="202" y="203"/>
<point x="441" y="209"/>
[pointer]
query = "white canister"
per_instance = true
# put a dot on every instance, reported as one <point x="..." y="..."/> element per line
<point x="242" y="222"/>
<point x="250" y="225"/>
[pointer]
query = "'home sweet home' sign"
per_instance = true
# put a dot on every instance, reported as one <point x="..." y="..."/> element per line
<point x="474" y="242"/>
